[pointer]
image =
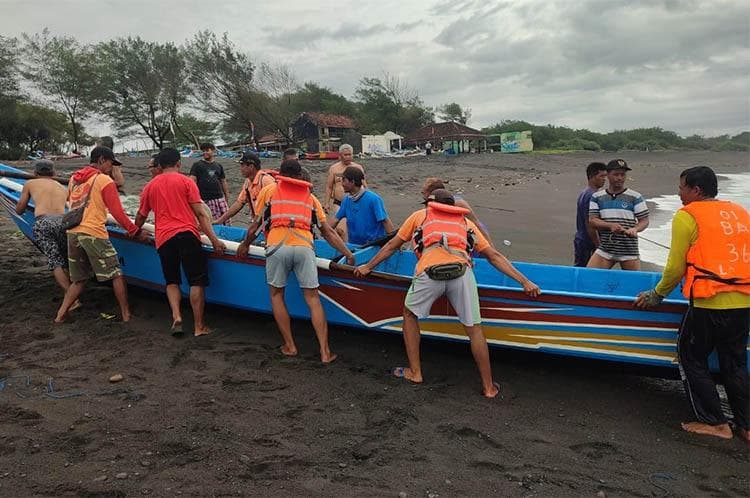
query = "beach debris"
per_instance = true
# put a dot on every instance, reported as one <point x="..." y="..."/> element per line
<point x="107" y="316"/>
<point x="121" y="475"/>
<point x="342" y="465"/>
<point x="100" y="479"/>
<point x="116" y="378"/>
<point x="244" y="459"/>
<point x="402" y="494"/>
<point x="506" y="242"/>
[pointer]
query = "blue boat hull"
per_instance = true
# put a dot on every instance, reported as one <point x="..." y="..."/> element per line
<point x="582" y="312"/>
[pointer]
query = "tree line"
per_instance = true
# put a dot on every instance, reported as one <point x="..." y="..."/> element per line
<point x="209" y="89"/>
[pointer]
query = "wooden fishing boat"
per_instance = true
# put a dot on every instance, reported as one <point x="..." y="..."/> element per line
<point x="582" y="312"/>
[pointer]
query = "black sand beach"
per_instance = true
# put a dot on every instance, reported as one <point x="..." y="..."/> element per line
<point x="226" y="415"/>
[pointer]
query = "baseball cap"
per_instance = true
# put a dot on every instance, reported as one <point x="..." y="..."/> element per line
<point x="617" y="164"/>
<point x="250" y="157"/>
<point x="442" y="196"/>
<point x="44" y="167"/>
<point x="104" y="152"/>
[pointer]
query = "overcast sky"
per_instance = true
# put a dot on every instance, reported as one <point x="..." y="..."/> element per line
<point x="597" y="64"/>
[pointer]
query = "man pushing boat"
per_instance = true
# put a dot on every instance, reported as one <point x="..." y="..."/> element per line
<point x="711" y="249"/>
<point x="287" y="211"/>
<point x="443" y="240"/>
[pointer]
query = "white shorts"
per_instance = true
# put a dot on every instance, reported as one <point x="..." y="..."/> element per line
<point x="297" y="259"/>
<point x="613" y="257"/>
<point x="461" y="292"/>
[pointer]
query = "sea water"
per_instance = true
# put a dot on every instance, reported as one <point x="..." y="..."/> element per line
<point x="732" y="187"/>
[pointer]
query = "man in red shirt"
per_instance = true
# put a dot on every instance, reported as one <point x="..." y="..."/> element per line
<point x="176" y="202"/>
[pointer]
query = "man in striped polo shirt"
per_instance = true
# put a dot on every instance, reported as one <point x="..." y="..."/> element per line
<point x="618" y="214"/>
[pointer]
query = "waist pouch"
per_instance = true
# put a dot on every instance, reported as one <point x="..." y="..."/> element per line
<point x="448" y="271"/>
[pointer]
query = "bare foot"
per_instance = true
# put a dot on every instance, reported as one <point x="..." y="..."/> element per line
<point x="74" y="306"/>
<point x="406" y="373"/>
<point x="328" y="358"/>
<point x="744" y="434"/>
<point x="59" y="320"/>
<point x="201" y="331"/>
<point x="126" y="317"/>
<point x="492" y="393"/>
<point x="288" y="351"/>
<point x="722" y="431"/>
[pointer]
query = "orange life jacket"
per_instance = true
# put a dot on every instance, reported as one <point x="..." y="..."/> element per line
<point x="444" y="226"/>
<point x="719" y="261"/>
<point x="256" y="186"/>
<point x="291" y="206"/>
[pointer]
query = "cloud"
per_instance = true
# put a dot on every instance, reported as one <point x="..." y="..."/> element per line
<point x="680" y="64"/>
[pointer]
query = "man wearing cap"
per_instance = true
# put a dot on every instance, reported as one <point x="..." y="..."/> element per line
<point x="176" y="204"/>
<point x="618" y="214"/>
<point x="444" y="269"/>
<point x="288" y="211"/>
<point x="49" y="205"/>
<point x="116" y="172"/>
<point x="433" y="183"/>
<point x="711" y="249"/>
<point x="255" y="180"/>
<point x="364" y="210"/>
<point x="90" y="253"/>
<point x="211" y="180"/>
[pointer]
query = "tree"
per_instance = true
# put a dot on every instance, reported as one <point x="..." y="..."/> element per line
<point x="315" y="98"/>
<point x="191" y="130"/>
<point x="387" y="103"/>
<point x="454" y="112"/>
<point x="8" y="65"/>
<point x="143" y="86"/>
<point x="59" y="68"/>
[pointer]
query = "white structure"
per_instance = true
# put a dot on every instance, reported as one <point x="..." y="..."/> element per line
<point x="380" y="144"/>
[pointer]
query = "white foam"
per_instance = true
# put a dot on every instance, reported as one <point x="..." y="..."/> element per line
<point x="732" y="187"/>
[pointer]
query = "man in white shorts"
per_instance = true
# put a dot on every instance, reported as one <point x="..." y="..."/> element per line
<point x="444" y="268"/>
<point x="618" y="214"/>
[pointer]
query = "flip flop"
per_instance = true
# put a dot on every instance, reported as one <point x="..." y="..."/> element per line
<point x="499" y="394"/>
<point x="399" y="373"/>
<point x="176" y="328"/>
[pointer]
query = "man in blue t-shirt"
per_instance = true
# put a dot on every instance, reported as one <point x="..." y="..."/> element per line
<point x="587" y="238"/>
<point x="366" y="218"/>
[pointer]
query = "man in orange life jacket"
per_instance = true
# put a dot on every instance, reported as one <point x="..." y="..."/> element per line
<point x="442" y="241"/>
<point x="288" y="211"/>
<point x="255" y="180"/>
<point x="711" y="248"/>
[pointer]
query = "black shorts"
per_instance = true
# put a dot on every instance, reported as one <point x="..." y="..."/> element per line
<point x="184" y="248"/>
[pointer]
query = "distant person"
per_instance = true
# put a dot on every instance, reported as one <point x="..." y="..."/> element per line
<point x="443" y="241"/>
<point x="710" y="244"/>
<point x="363" y="210"/>
<point x="432" y="184"/>
<point x="288" y="213"/>
<point x="334" y="191"/>
<point x="255" y="180"/>
<point x="116" y="172"/>
<point x="290" y="154"/>
<point x="153" y="166"/>
<point x="49" y="199"/>
<point x="428" y="148"/>
<point x="90" y="252"/>
<point x="176" y="203"/>
<point x="618" y="214"/>
<point x="586" y="238"/>
<point x="211" y="180"/>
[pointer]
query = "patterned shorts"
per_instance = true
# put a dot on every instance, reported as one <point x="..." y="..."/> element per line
<point x="92" y="257"/>
<point x="50" y="238"/>
<point x="218" y="207"/>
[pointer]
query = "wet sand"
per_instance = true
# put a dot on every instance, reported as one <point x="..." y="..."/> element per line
<point x="228" y="415"/>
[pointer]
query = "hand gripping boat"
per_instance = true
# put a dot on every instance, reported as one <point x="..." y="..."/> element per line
<point x="582" y="312"/>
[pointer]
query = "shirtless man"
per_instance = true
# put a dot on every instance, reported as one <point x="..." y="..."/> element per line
<point x="334" y="190"/>
<point x="49" y="205"/>
<point x="432" y="184"/>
